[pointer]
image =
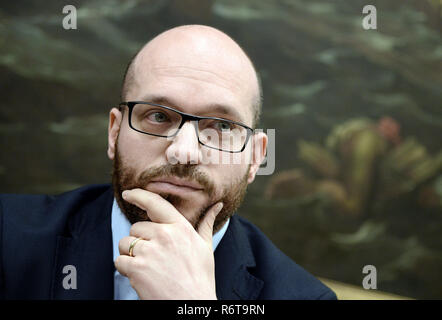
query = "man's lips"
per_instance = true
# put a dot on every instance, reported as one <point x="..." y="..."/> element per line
<point x="179" y="182"/>
<point x="175" y="185"/>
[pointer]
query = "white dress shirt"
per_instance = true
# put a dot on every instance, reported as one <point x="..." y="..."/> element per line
<point x="120" y="229"/>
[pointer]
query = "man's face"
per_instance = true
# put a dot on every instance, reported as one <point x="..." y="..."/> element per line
<point x="193" y="80"/>
<point x="193" y="204"/>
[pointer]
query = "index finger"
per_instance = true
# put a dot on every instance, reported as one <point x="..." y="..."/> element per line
<point x="158" y="209"/>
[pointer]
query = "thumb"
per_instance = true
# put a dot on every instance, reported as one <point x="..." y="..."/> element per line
<point x="205" y="229"/>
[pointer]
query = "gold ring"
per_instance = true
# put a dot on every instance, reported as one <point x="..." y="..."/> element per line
<point x="132" y="245"/>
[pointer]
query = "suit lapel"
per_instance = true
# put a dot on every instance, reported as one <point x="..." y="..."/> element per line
<point x="233" y="258"/>
<point x="87" y="247"/>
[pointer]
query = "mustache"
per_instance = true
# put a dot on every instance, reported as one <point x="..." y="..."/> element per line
<point x="188" y="172"/>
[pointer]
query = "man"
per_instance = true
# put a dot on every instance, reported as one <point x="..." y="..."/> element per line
<point x="165" y="229"/>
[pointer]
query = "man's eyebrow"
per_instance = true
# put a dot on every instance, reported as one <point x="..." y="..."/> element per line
<point x="211" y="108"/>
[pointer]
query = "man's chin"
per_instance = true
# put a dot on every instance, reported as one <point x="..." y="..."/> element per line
<point x="186" y="207"/>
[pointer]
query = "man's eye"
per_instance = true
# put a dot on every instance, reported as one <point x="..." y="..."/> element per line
<point x="158" y="117"/>
<point x="223" y="125"/>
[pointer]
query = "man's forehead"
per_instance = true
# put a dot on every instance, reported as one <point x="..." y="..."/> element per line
<point x="184" y="59"/>
<point x="198" y="47"/>
<point x="200" y="40"/>
<point x="204" y="54"/>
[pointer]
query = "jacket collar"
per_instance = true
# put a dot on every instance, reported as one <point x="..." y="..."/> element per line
<point x="233" y="260"/>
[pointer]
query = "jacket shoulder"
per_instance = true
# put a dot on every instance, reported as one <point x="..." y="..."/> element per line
<point x="283" y="278"/>
<point x="34" y="210"/>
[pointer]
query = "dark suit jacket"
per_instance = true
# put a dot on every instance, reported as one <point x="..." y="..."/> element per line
<point x="39" y="235"/>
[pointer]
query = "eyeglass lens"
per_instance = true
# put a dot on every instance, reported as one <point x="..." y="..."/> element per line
<point x="219" y="134"/>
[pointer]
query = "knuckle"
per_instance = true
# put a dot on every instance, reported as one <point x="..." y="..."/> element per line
<point x="135" y="227"/>
<point x="165" y="235"/>
<point x="121" y="244"/>
<point x="117" y="261"/>
<point x="188" y="230"/>
<point x="139" y="228"/>
<point x="137" y="264"/>
<point x="143" y="247"/>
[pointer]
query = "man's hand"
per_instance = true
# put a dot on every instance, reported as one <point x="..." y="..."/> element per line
<point x="173" y="261"/>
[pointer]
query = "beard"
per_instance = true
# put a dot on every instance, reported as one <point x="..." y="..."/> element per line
<point x="126" y="178"/>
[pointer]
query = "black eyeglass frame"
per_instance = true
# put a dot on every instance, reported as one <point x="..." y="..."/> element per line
<point x="184" y="118"/>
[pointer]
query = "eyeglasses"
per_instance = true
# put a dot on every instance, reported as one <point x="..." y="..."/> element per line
<point x="161" y="121"/>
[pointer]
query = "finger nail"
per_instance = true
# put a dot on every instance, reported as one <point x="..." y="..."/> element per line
<point x="124" y="194"/>
<point x="219" y="206"/>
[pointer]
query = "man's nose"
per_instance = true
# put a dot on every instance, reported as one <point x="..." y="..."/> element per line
<point x="184" y="148"/>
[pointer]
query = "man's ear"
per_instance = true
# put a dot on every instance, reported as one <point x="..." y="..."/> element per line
<point x="115" y="117"/>
<point x="259" y="147"/>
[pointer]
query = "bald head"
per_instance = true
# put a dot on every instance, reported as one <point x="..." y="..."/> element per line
<point x="204" y="58"/>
